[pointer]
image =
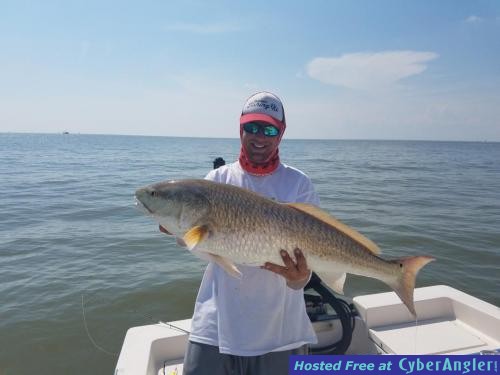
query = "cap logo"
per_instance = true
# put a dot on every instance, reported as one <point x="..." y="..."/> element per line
<point x="263" y="104"/>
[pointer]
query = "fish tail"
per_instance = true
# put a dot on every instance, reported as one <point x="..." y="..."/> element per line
<point x="405" y="283"/>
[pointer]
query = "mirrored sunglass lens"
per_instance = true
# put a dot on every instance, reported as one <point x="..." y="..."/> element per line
<point x="267" y="130"/>
<point x="251" y="128"/>
<point x="271" y="131"/>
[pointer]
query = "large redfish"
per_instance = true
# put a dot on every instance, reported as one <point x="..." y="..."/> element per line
<point x="230" y="225"/>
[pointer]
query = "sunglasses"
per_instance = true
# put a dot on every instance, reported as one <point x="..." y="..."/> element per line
<point x="267" y="130"/>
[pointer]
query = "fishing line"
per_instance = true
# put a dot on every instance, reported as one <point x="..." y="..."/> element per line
<point x="144" y="315"/>
<point x="90" y="336"/>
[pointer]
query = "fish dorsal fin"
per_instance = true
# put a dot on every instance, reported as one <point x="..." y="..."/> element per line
<point x="330" y="220"/>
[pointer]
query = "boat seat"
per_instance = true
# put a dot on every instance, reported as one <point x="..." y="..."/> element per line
<point x="429" y="337"/>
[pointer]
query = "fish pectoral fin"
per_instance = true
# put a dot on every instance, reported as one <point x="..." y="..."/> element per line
<point x="226" y="265"/>
<point x="195" y="235"/>
<point x="337" y="224"/>
<point x="335" y="280"/>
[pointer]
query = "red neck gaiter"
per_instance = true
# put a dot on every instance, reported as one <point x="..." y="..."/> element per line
<point x="259" y="170"/>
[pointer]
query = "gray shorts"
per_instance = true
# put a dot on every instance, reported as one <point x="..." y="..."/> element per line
<point x="202" y="359"/>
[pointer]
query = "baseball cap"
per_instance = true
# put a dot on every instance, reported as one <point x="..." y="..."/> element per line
<point x="264" y="106"/>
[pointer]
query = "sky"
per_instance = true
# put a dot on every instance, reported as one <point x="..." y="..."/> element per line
<point x="373" y="69"/>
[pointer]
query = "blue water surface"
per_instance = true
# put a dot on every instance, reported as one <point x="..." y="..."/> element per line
<point x="69" y="229"/>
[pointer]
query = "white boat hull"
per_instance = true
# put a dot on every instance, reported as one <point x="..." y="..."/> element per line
<point x="464" y="325"/>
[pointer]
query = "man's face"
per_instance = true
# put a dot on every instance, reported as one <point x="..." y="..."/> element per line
<point x="258" y="147"/>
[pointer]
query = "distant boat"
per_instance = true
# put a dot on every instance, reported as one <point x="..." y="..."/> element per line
<point x="65" y="132"/>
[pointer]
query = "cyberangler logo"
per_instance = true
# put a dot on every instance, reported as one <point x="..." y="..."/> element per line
<point x="263" y="104"/>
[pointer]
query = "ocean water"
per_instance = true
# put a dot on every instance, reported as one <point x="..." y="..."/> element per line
<point x="71" y="235"/>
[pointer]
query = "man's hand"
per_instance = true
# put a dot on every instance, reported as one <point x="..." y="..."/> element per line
<point x="297" y="274"/>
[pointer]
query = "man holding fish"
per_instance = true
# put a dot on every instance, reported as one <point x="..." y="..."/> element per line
<point x="242" y="218"/>
<point x="252" y="324"/>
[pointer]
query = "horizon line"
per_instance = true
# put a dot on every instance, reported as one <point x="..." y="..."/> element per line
<point x="237" y="138"/>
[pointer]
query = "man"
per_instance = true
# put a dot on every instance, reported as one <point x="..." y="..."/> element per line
<point x="253" y="324"/>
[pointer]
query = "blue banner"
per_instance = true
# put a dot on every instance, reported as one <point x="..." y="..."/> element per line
<point x="394" y="364"/>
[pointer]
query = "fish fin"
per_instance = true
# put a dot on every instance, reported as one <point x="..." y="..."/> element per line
<point x="201" y="255"/>
<point x="225" y="264"/>
<point x="405" y="284"/>
<point x="335" y="280"/>
<point x="330" y="220"/>
<point x="195" y="235"/>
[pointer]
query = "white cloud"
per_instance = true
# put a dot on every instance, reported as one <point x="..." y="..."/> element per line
<point x="368" y="70"/>
<point x="473" y="19"/>
<point x="211" y="28"/>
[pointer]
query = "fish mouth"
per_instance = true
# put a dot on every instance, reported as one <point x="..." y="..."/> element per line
<point x="141" y="206"/>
